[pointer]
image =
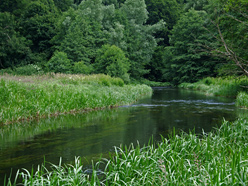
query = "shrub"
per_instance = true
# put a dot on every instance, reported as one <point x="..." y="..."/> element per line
<point x="82" y="68"/>
<point x="59" y="63"/>
<point x="111" y="60"/>
<point x="28" y="70"/>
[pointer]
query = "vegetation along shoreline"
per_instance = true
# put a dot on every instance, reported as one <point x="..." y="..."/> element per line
<point x="215" y="158"/>
<point x="33" y="97"/>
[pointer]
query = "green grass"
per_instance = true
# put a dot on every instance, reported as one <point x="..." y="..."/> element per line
<point x="242" y="100"/>
<point x="216" y="158"/>
<point x="29" y="97"/>
<point x="229" y="86"/>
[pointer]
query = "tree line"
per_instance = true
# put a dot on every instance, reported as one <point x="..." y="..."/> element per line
<point x="161" y="40"/>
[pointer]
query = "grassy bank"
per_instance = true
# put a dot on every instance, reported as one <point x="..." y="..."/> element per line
<point x="229" y="87"/>
<point x="29" y="97"/>
<point x="217" y="158"/>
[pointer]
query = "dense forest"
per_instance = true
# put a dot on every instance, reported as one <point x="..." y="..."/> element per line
<point x="161" y="40"/>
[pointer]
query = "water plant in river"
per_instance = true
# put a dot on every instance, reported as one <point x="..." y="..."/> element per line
<point x="215" y="158"/>
<point x="25" y="98"/>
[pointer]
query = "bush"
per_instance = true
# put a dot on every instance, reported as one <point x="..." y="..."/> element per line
<point x="82" y="68"/>
<point x="111" y="60"/>
<point x="28" y="70"/>
<point x="59" y="63"/>
<point x="6" y="71"/>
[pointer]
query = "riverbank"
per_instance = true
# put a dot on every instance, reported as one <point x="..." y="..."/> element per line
<point x="33" y="97"/>
<point x="228" y="87"/>
<point x="216" y="158"/>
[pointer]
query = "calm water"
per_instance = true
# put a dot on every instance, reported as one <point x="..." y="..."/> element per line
<point x="89" y="135"/>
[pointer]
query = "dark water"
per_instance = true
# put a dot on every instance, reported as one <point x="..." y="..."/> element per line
<point x="89" y="135"/>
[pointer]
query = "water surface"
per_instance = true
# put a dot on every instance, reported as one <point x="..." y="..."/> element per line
<point x="89" y="135"/>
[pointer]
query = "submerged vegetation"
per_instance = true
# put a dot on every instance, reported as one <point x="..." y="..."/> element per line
<point x="30" y="97"/>
<point x="217" y="158"/>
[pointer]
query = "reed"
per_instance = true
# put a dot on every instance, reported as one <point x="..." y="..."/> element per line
<point x="215" y="158"/>
<point x="29" y="97"/>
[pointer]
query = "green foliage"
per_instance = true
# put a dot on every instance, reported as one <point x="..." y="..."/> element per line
<point x="196" y="4"/>
<point x="63" y="5"/>
<point x="13" y="47"/>
<point x="29" y="97"/>
<point x="230" y="44"/>
<point x="82" y="68"/>
<point x="59" y="63"/>
<point x="111" y="60"/>
<point x="28" y="70"/>
<point x="37" y="25"/>
<point x="167" y="10"/>
<point x="242" y="99"/>
<point x="215" y="158"/>
<point x="190" y="61"/>
<point x="229" y="86"/>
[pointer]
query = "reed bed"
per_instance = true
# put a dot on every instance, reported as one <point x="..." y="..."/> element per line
<point x="30" y="97"/>
<point x="229" y="86"/>
<point x="216" y="158"/>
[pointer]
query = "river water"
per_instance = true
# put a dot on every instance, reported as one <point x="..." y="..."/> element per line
<point x="90" y="135"/>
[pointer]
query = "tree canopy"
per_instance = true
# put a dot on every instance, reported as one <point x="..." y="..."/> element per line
<point x="166" y="40"/>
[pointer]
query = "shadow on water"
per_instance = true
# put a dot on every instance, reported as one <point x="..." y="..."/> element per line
<point x="89" y="135"/>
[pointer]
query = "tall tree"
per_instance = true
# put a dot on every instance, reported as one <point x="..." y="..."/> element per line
<point x="190" y="60"/>
<point x="167" y="10"/>
<point x="13" y="47"/>
<point x="139" y="37"/>
<point x="37" y="25"/>
<point x="229" y="19"/>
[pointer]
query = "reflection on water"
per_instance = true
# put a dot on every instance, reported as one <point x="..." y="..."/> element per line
<point x="89" y="135"/>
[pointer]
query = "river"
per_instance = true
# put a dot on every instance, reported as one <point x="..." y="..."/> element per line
<point x="88" y="135"/>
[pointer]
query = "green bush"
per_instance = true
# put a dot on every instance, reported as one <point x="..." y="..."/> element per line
<point x="59" y="63"/>
<point x="28" y="70"/>
<point x="6" y="71"/>
<point x="111" y="60"/>
<point x="82" y="68"/>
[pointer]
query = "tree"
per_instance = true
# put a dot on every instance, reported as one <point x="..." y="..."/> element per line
<point x="59" y="63"/>
<point x="63" y="5"/>
<point x="232" y="43"/>
<point x="190" y="60"/>
<point x="82" y="40"/>
<point x="111" y="60"/>
<point x="13" y="47"/>
<point x="167" y="10"/>
<point x="37" y="25"/>
<point x="80" y="33"/>
<point x="140" y="42"/>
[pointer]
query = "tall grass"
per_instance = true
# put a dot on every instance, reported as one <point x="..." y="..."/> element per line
<point x="242" y="100"/>
<point x="229" y="86"/>
<point x="216" y="158"/>
<point x="25" y="98"/>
